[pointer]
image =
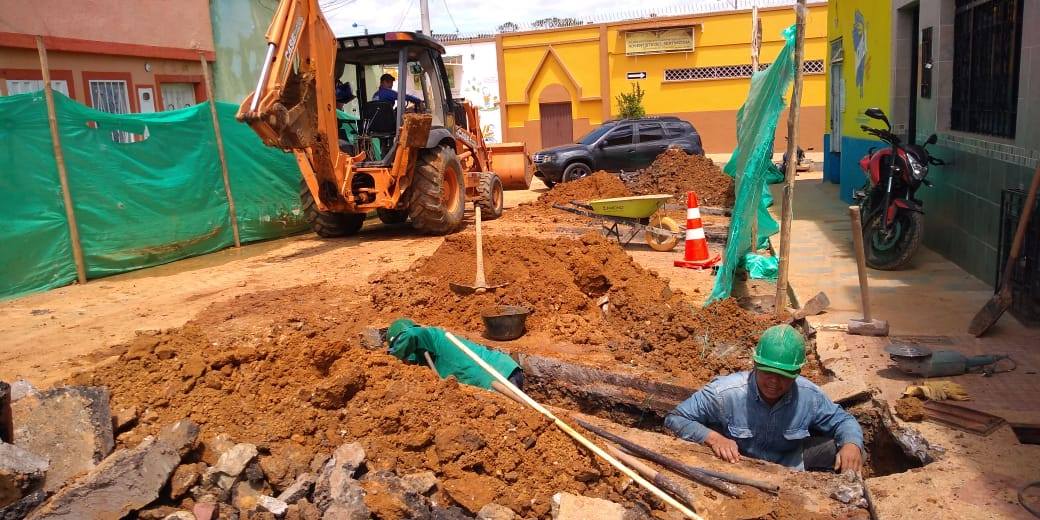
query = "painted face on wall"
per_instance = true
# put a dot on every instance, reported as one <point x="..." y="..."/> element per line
<point x="859" y="41"/>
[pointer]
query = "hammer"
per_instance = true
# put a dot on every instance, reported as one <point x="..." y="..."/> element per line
<point x="866" y="326"/>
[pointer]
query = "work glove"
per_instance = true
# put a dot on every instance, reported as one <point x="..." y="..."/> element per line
<point x="938" y="391"/>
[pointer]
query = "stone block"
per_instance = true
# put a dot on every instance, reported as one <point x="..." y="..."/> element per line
<point x="421" y="482"/>
<point x="272" y="505"/>
<point x="567" y="506"/>
<point x="21" y="473"/>
<point x="70" y="426"/>
<point x="128" y="480"/>
<point x="495" y="512"/>
<point x="336" y="482"/>
<point x="299" y="489"/>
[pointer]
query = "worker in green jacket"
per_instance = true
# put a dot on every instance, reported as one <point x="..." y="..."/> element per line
<point x="411" y="343"/>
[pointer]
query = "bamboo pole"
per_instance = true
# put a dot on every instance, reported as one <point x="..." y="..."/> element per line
<point x="645" y="484"/>
<point x="787" y="210"/>
<point x="756" y="47"/>
<point x="651" y="474"/>
<point x="220" y="149"/>
<point x="59" y="160"/>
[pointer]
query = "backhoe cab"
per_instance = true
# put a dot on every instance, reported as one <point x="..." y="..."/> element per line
<point x="419" y="158"/>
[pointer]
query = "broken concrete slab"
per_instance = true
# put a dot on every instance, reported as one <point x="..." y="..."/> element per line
<point x="20" y="509"/>
<point x="299" y="489"/>
<point x="204" y="510"/>
<point x="336" y="482"/>
<point x="385" y="492"/>
<point x="842" y="391"/>
<point x="22" y="388"/>
<point x="356" y="510"/>
<point x="473" y="491"/>
<point x="124" y="418"/>
<point x="495" y="512"/>
<point x="421" y="482"/>
<point x="128" y="480"/>
<point x="272" y="505"/>
<point x="180" y="515"/>
<point x="567" y="506"/>
<point x="184" y="477"/>
<point x="230" y="465"/>
<point x="70" y="426"/>
<point x="21" y="473"/>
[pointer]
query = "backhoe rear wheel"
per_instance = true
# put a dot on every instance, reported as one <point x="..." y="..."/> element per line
<point x="489" y="196"/>
<point x="328" y="225"/>
<point x="437" y="195"/>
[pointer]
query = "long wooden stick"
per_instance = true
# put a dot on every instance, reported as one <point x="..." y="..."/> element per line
<point x="787" y="210"/>
<point x="59" y="160"/>
<point x="645" y="484"/>
<point x="220" y="150"/>
<point x="696" y="474"/>
<point x="655" y="476"/>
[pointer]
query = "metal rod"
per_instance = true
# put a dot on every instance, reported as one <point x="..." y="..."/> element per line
<point x="264" y="71"/>
<point x="402" y="86"/>
<point x="861" y="261"/>
<point x="787" y="210"/>
<point x="655" y="476"/>
<point x="220" y="150"/>
<point x="630" y="473"/>
<point x="59" y="160"/>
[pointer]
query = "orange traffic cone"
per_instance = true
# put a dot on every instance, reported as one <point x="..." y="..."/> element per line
<point x="697" y="255"/>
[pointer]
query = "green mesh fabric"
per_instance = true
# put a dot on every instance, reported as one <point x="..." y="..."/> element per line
<point x="752" y="168"/>
<point x="146" y="189"/>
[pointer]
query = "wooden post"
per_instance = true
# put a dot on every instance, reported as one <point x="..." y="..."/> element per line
<point x="787" y="211"/>
<point x="756" y="47"/>
<point x="59" y="160"/>
<point x="220" y="149"/>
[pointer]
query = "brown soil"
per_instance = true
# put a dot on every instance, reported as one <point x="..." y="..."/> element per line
<point x="649" y="325"/>
<point x="675" y="172"/>
<point x="910" y="409"/>
<point x="284" y="370"/>
<point x="599" y="185"/>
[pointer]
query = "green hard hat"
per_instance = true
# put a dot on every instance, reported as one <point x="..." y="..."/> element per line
<point x="397" y="327"/>
<point x="781" y="350"/>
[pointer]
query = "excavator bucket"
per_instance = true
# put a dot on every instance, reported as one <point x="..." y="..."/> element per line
<point x="511" y="163"/>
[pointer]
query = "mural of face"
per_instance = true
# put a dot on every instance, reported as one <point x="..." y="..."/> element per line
<point x="859" y="41"/>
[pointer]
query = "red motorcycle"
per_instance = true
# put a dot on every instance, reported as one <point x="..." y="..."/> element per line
<point x="893" y="219"/>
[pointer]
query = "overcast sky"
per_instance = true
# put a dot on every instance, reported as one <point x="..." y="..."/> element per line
<point x="469" y="16"/>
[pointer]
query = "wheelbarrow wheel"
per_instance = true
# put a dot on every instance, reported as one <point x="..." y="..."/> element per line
<point x="660" y="241"/>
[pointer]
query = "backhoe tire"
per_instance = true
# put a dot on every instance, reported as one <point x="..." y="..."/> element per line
<point x="437" y="195"/>
<point x="392" y="216"/>
<point x="489" y="196"/>
<point x="328" y="225"/>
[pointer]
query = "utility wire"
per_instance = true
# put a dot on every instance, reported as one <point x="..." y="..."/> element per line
<point x="404" y="16"/>
<point x="450" y="17"/>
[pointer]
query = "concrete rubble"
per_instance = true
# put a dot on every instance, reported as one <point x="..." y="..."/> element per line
<point x="21" y="473"/>
<point x="70" y="426"/>
<point x="567" y="506"/>
<point x="128" y="480"/>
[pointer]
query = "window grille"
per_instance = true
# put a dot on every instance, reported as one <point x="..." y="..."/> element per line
<point x="986" y="57"/>
<point x="730" y="71"/>
<point x="111" y="96"/>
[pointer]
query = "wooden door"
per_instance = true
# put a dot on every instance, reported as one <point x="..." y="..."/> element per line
<point x="557" y="124"/>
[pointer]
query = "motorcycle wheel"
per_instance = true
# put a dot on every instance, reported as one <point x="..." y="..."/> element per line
<point x="892" y="250"/>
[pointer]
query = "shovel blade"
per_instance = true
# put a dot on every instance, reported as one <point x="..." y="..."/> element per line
<point x="461" y="289"/>
<point x="990" y="313"/>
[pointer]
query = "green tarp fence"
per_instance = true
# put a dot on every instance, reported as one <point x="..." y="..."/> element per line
<point x="752" y="168"/>
<point x="146" y="189"/>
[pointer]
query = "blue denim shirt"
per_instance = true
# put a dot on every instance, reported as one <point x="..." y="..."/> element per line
<point x="732" y="406"/>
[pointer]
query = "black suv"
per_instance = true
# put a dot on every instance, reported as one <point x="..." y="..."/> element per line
<point x="623" y="144"/>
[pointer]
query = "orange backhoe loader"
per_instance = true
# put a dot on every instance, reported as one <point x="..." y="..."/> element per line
<point x="417" y="155"/>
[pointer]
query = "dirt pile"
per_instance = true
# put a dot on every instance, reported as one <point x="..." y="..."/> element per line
<point x="676" y="172"/>
<point x="283" y="371"/>
<point x="564" y="281"/>
<point x="599" y="185"/>
<point x="910" y="409"/>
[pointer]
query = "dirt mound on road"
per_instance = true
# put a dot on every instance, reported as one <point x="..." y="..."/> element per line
<point x="599" y="185"/>
<point x="282" y="370"/>
<point x="648" y="324"/>
<point x="676" y="172"/>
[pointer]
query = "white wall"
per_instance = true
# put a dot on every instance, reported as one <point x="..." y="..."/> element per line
<point x="478" y="82"/>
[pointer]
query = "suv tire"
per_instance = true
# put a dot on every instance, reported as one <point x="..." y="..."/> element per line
<point x="489" y="195"/>
<point x="328" y="225"/>
<point x="437" y="196"/>
<point x="575" y="171"/>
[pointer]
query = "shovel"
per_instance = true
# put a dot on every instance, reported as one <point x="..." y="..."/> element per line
<point x="1001" y="301"/>
<point x="480" y="285"/>
<point x="814" y="306"/>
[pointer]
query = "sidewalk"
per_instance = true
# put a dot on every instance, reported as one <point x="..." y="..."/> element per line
<point x="930" y="303"/>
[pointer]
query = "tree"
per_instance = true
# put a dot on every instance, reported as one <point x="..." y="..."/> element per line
<point x="630" y="105"/>
<point x="508" y="27"/>
<point x="551" y="22"/>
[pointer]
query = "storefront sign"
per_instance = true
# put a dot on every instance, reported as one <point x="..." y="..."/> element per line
<point x="664" y="40"/>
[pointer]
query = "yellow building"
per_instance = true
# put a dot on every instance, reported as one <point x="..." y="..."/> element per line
<point x="557" y="84"/>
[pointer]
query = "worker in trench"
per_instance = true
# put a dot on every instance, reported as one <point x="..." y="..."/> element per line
<point x="768" y="413"/>
<point x="428" y="345"/>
